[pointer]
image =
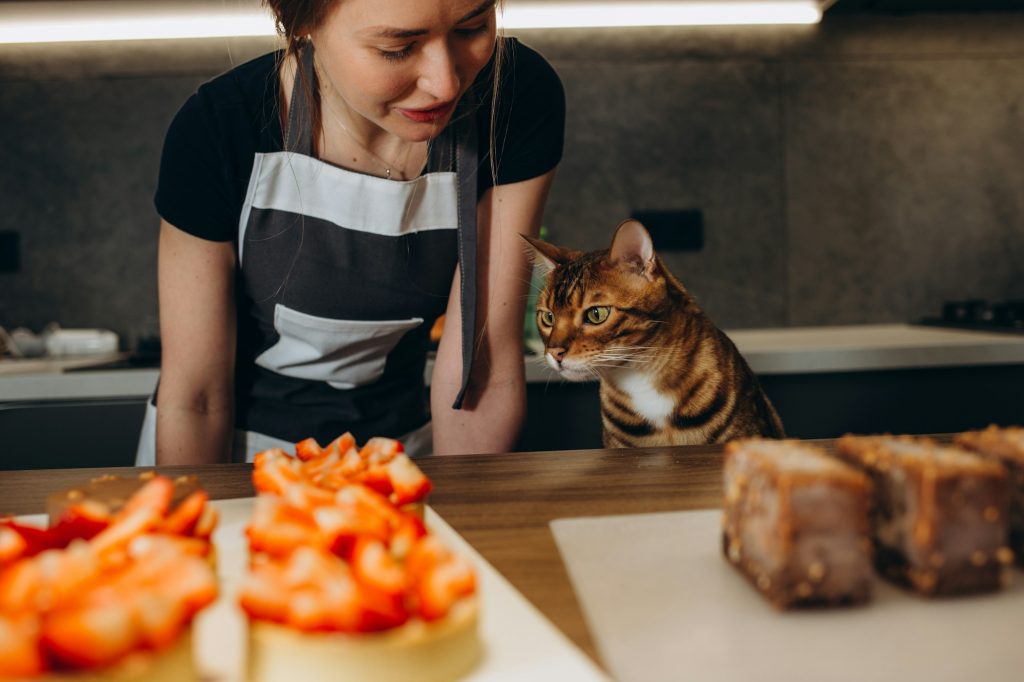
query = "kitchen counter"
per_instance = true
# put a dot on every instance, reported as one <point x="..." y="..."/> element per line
<point x="793" y="350"/>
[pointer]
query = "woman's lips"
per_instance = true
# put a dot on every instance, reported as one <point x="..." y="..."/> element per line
<point x="427" y="115"/>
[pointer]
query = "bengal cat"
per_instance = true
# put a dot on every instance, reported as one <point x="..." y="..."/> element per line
<point x="668" y="375"/>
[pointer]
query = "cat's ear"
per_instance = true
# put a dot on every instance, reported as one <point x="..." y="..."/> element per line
<point x="632" y="247"/>
<point x="547" y="256"/>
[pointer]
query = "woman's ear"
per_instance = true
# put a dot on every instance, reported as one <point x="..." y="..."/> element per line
<point x="632" y="248"/>
<point x="547" y="256"/>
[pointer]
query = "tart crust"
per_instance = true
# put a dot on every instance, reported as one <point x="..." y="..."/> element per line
<point x="438" y="651"/>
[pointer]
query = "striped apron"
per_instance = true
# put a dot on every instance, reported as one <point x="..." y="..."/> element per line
<point x="340" y="278"/>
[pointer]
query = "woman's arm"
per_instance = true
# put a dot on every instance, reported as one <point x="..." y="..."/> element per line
<point x="197" y="332"/>
<point x="495" y="404"/>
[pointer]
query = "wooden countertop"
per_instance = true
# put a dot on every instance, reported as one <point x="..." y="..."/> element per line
<point x="501" y="504"/>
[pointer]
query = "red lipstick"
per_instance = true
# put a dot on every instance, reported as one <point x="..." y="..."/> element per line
<point x="428" y="115"/>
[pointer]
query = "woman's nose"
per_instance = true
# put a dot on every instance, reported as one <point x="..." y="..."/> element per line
<point x="439" y="76"/>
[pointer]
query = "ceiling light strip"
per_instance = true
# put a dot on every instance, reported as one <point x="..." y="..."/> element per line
<point x="50" y="22"/>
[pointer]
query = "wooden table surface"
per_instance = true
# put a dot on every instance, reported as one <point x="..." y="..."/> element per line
<point x="501" y="504"/>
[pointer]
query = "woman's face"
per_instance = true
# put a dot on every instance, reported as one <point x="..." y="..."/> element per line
<point x="402" y="65"/>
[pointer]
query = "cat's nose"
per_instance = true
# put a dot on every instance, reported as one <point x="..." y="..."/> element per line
<point x="557" y="353"/>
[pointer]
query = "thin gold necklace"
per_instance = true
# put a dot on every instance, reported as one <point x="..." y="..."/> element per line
<point x="330" y="109"/>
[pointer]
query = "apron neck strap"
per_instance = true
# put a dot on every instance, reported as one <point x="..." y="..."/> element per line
<point x="298" y="137"/>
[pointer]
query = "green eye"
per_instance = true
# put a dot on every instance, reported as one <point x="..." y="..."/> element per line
<point x="597" y="314"/>
<point x="546" y="317"/>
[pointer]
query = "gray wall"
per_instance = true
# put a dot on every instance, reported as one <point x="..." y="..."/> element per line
<point x="860" y="171"/>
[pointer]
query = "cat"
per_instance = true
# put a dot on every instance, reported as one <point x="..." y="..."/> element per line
<point x="668" y="375"/>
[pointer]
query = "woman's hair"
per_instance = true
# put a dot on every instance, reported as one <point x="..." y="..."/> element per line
<point x="296" y="19"/>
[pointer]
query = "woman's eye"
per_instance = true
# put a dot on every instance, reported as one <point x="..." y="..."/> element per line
<point x="396" y="55"/>
<point x="472" y="30"/>
<point x="547" y="318"/>
<point x="597" y="314"/>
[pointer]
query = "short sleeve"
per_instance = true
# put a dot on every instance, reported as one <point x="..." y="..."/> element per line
<point x="194" y="192"/>
<point x="210" y="148"/>
<point x="529" y="131"/>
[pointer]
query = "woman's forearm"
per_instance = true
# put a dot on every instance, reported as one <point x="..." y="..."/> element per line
<point x="491" y="425"/>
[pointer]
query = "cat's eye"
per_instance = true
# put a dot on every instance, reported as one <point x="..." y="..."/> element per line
<point x="597" y="314"/>
<point x="546" y="317"/>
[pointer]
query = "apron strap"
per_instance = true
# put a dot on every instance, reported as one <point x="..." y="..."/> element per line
<point x="466" y="170"/>
<point x="298" y="136"/>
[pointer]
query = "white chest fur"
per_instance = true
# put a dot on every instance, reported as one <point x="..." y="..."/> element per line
<point x="648" y="402"/>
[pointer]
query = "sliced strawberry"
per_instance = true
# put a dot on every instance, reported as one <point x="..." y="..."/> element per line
<point x="155" y="495"/>
<point x="92" y="636"/>
<point x="192" y="583"/>
<point x="19" y="586"/>
<point x="36" y="539"/>
<point x="342" y="444"/>
<point x="263" y="594"/>
<point x="442" y="585"/>
<point x="424" y="556"/>
<point x="378" y="478"/>
<point x="380" y="610"/>
<point x="83" y="520"/>
<point x="206" y="524"/>
<point x="307" y="610"/>
<point x="380" y="450"/>
<point x="351" y="463"/>
<point x="130" y="522"/>
<point x="341" y="527"/>
<point x="160" y="618"/>
<point x="406" y="535"/>
<point x="409" y="482"/>
<point x="308" y="449"/>
<point x="275" y="474"/>
<point x="374" y="566"/>
<point x="12" y="545"/>
<point x="278" y="529"/>
<point x="20" y="655"/>
<point x="183" y="520"/>
<point x="307" y="566"/>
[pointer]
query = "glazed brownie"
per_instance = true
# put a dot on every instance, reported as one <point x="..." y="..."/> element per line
<point x="1007" y="446"/>
<point x="796" y="523"/>
<point x="938" y="513"/>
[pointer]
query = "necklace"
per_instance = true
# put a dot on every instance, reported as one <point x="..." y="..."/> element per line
<point x="329" y="108"/>
<point x="387" y="166"/>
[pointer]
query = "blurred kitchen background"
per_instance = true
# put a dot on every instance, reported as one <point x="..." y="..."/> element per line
<point x="859" y="171"/>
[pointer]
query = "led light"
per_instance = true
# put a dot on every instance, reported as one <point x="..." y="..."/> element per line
<point x="48" y="22"/>
<point x="537" y="14"/>
<point x="51" y="22"/>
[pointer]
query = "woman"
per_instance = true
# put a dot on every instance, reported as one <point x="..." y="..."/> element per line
<point x="317" y="215"/>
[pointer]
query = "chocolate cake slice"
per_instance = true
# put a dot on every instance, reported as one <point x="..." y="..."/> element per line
<point x="1007" y="446"/>
<point x="796" y="523"/>
<point x="938" y="513"/>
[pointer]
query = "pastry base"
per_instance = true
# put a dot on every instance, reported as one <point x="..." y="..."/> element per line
<point x="440" y="651"/>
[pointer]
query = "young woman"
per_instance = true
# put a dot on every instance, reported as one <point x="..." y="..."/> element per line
<point x="320" y="208"/>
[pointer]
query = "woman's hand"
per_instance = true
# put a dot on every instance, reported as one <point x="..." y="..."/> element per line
<point x="195" y="402"/>
<point x="495" y="404"/>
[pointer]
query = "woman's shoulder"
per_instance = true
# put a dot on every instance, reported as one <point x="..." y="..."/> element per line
<point x="526" y="71"/>
<point x="239" y="101"/>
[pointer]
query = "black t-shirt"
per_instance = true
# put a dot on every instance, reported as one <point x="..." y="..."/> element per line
<point x="210" y="146"/>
